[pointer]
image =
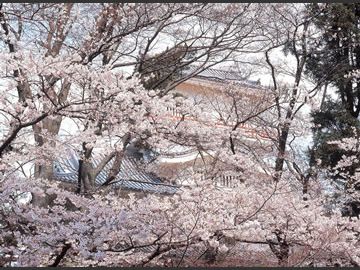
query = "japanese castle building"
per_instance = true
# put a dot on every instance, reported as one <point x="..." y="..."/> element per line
<point x="132" y="174"/>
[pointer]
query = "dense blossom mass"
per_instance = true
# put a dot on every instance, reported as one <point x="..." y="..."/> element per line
<point x="272" y="177"/>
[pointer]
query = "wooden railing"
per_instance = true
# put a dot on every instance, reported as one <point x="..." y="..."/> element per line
<point x="229" y="181"/>
<point x="225" y="179"/>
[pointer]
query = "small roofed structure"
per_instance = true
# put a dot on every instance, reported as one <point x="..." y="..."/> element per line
<point x="131" y="175"/>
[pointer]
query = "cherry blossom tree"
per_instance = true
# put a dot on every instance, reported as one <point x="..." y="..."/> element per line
<point x="121" y="36"/>
<point x="59" y="65"/>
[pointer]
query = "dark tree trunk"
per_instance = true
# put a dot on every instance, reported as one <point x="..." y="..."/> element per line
<point x="280" y="248"/>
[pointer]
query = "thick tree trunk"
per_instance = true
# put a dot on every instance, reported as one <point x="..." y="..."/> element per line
<point x="86" y="172"/>
<point x="52" y="127"/>
<point x="87" y="177"/>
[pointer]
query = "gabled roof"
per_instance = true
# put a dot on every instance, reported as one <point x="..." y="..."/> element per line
<point x="131" y="176"/>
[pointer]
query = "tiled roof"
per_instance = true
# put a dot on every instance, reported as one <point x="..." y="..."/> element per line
<point x="131" y="176"/>
<point x="223" y="75"/>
